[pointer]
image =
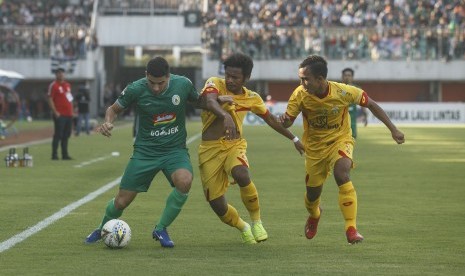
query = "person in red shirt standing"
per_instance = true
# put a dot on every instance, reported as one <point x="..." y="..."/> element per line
<point x="61" y="102"/>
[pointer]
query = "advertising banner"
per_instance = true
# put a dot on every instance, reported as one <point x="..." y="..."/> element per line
<point x="399" y="113"/>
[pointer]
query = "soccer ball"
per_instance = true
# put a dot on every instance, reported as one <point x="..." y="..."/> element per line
<point x="116" y="233"/>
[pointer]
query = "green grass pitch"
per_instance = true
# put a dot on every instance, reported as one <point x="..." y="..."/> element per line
<point x="411" y="211"/>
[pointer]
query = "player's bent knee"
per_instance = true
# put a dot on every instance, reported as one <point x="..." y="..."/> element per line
<point x="182" y="180"/>
<point x="243" y="181"/>
<point x="183" y="186"/>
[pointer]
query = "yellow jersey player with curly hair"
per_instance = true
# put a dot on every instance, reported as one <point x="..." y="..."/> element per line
<point x="222" y="152"/>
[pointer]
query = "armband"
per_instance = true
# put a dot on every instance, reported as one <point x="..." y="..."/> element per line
<point x="295" y="139"/>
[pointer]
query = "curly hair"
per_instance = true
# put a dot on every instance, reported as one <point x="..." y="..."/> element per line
<point x="240" y="60"/>
<point x="316" y="64"/>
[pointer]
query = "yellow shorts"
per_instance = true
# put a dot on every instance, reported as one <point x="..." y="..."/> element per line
<point x="318" y="164"/>
<point x="216" y="160"/>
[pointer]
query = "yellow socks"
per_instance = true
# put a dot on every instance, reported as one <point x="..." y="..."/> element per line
<point x="232" y="218"/>
<point x="313" y="207"/>
<point x="249" y="197"/>
<point x="348" y="204"/>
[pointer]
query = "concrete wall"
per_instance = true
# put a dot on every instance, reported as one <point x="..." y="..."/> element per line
<point x="40" y="69"/>
<point x="146" y="31"/>
<point x="286" y="70"/>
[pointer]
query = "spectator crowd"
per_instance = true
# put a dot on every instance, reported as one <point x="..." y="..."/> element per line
<point x="338" y="29"/>
<point x="264" y="29"/>
<point x="46" y="28"/>
<point x="45" y="12"/>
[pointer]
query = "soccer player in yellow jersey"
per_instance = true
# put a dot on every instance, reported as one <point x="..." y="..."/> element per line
<point x="328" y="139"/>
<point x="222" y="152"/>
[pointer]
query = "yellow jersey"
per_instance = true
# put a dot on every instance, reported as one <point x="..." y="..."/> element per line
<point x="326" y="119"/>
<point x="243" y="103"/>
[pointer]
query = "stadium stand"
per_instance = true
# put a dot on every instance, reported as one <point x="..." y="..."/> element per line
<point x="283" y="29"/>
<point x="35" y="36"/>
<point x="45" y="12"/>
<point x="338" y="29"/>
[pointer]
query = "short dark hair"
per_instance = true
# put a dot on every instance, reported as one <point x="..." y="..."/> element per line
<point x="316" y="64"/>
<point x="240" y="60"/>
<point x="158" y="67"/>
<point x="59" y="69"/>
<point x="348" y="69"/>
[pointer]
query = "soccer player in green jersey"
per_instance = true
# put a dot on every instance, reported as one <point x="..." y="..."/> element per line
<point x="348" y="78"/>
<point x="160" y="144"/>
<point x="327" y="139"/>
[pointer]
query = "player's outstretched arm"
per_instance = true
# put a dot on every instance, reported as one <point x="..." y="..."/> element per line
<point x="379" y="113"/>
<point x="273" y="122"/>
<point x="110" y="116"/>
<point x="202" y="104"/>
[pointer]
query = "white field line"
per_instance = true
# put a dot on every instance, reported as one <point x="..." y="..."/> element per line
<point x="28" y="144"/>
<point x="7" y="244"/>
<point x="92" y="161"/>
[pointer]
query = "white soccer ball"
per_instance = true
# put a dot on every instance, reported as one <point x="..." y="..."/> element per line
<point x="116" y="233"/>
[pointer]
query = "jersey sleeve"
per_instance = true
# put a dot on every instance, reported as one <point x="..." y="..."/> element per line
<point x="259" y="108"/>
<point x="363" y="99"/>
<point x="127" y="97"/>
<point x="210" y="87"/>
<point x="193" y="95"/>
<point x="293" y="105"/>
<point x="360" y="97"/>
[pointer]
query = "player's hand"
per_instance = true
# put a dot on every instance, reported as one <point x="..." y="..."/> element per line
<point x="284" y="120"/>
<point x="230" y="130"/>
<point x="299" y="147"/>
<point x="105" y="129"/>
<point x="225" y="99"/>
<point x="398" y="136"/>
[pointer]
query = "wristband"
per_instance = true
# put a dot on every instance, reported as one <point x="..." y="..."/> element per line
<point x="295" y="139"/>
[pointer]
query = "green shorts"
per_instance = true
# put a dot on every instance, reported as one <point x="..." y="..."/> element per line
<point x="139" y="173"/>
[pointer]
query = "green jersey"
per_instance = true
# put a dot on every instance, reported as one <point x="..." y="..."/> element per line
<point x="353" y="115"/>
<point x="161" y="125"/>
<point x="353" y="119"/>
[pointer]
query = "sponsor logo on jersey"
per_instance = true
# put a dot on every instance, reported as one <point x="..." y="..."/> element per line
<point x="335" y="110"/>
<point x="322" y="122"/>
<point x="164" y="132"/>
<point x="165" y="118"/>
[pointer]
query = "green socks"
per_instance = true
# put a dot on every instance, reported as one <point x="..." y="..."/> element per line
<point x="173" y="207"/>
<point x="110" y="213"/>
